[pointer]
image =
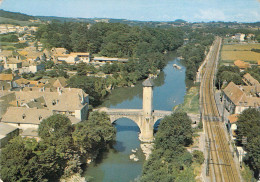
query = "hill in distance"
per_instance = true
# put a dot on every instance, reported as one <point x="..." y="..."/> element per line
<point x="23" y="19"/>
<point x="8" y="16"/>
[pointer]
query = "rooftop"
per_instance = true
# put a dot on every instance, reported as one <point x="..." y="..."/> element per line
<point x="6" y="53"/>
<point x="22" y="81"/>
<point x="6" y="77"/>
<point x="148" y="82"/>
<point x="233" y="118"/>
<point x="80" y="53"/>
<point x="239" y="97"/>
<point x="59" y="51"/>
<point x="67" y="99"/>
<point x="25" y="115"/>
<point x="241" y="64"/>
<point x="5" y="129"/>
<point x="233" y="92"/>
<point x="250" y="79"/>
<point x="13" y="61"/>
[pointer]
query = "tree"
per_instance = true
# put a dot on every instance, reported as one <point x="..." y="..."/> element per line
<point x="170" y="160"/>
<point x="9" y="38"/>
<point x="52" y="73"/>
<point x="175" y="130"/>
<point x="16" y="159"/>
<point x="81" y="69"/>
<point x="258" y="38"/>
<point x="198" y="156"/>
<point x="91" y="85"/>
<point x="49" y="64"/>
<point x="55" y="127"/>
<point x="248" y="126"/>
<point x="8" y="71"/>
<point x="94" y="135"/>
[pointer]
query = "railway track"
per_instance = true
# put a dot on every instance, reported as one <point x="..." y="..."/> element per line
<point x="222" y="167"/>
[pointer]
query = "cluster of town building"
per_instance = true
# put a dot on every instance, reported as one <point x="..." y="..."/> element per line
<point x="26" y="103"/>
<point x="59" y="55"/>
<point x="30" y="60"/>
<point x="7" y="28"/>
<point x="237" y="98"/>
<point x="240" y="37"/>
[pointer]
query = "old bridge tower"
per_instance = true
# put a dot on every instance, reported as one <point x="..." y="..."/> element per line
<point x="145" y="118"/>
<point x="148" y="120"/>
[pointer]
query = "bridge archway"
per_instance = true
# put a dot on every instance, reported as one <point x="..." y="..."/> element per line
<point x="156" y="125"/>
<point x="127" y="135"/>
<point x="126" y="124"/>
<point x="135" y="119"/>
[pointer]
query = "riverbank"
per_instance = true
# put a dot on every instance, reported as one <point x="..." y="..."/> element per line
<point x="191" y="102"/>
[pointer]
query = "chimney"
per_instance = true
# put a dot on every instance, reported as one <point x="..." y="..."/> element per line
<point x="5" y="60"/>
<point x="59" y="90"/>
<point x="82" y="97"/>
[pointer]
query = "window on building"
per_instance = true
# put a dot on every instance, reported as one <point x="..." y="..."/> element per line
<point x="53" y="102"/>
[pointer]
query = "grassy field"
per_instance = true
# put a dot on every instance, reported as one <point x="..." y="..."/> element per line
<point x="243" y="52"/>
<point x="242" y="47"/>
<point x="191" y="101"/>
<point x="7" y="45"/>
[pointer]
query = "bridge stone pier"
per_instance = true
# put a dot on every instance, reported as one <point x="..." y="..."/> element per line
<point x="145" y="118"/>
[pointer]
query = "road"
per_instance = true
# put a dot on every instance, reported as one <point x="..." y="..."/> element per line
<point x="222" y="167"/>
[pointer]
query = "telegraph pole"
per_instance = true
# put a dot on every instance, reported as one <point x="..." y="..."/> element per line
<point x="208" y="160"/>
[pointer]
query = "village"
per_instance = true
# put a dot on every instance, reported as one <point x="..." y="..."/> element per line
<point x="33" y="100"/>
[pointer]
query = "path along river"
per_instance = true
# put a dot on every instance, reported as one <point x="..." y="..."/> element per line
<point x="115" y="165"/>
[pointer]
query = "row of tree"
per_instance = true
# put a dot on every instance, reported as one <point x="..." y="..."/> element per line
<point x="9" y="38"/>
<point x="193" y="52"/>
<point x="170" y="161"/>
<point x="62" y="149"/>
<point x="109" y="39"/>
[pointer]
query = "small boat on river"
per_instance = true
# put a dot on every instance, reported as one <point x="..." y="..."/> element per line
<point x="176" y="66"/>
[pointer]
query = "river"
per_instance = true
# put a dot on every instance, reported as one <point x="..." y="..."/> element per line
<point x="115" y="165"/>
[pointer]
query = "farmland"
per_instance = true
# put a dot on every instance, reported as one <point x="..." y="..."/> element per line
<point x="243" y="52"/>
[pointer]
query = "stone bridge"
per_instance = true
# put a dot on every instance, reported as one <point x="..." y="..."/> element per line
<point x="145" y="118"/>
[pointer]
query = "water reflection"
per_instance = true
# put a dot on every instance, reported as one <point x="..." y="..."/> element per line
<point x="116" y="165"/>
<point x="120" y="95"/>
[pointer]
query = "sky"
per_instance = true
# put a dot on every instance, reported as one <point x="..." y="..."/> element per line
<point x="144" y="10"/>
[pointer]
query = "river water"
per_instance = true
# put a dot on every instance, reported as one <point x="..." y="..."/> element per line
<point x="115" y="165"/>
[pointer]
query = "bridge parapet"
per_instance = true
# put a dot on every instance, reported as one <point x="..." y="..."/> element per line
<point x="161" y="113"/>
<point x="145" y="120"/>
